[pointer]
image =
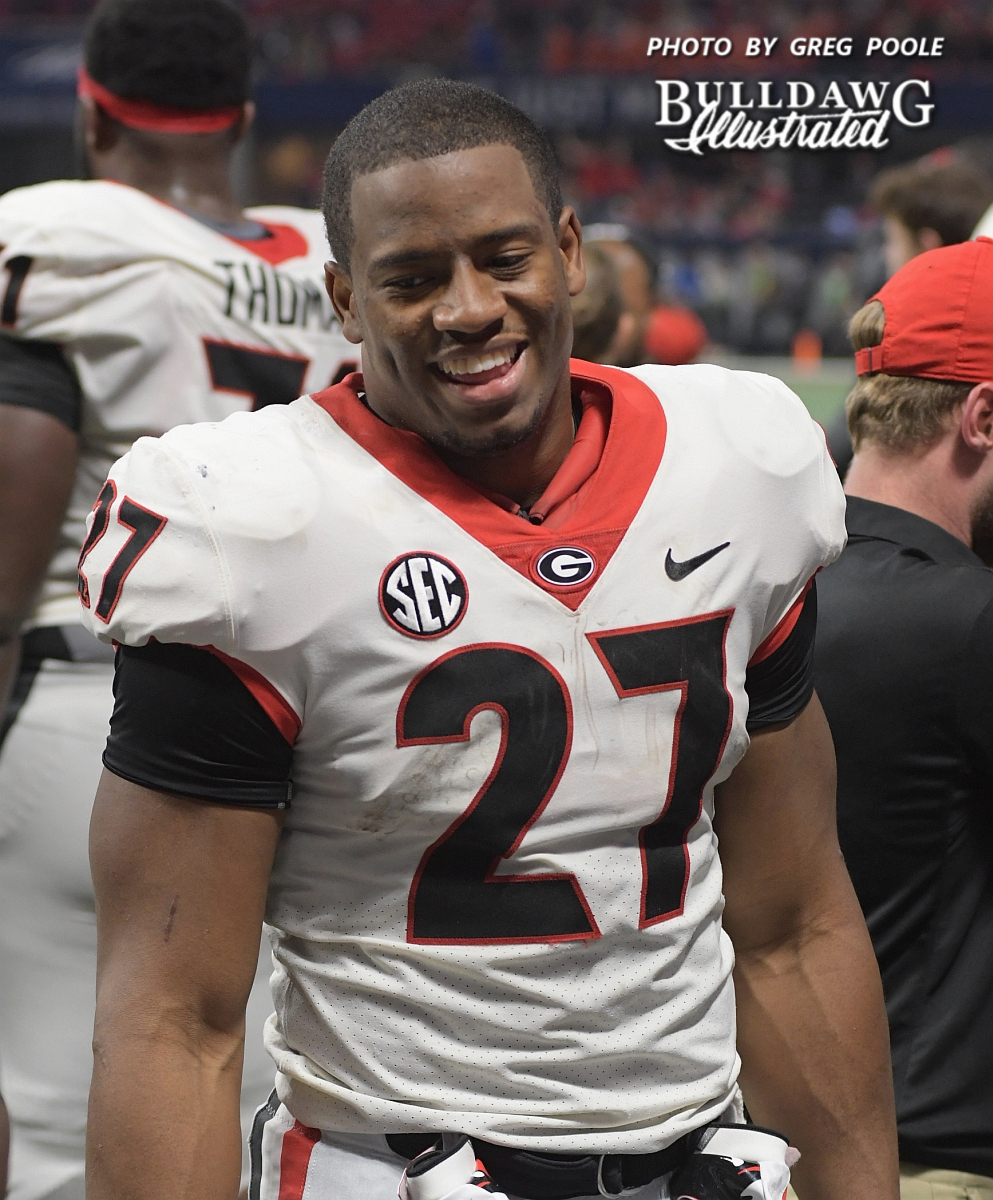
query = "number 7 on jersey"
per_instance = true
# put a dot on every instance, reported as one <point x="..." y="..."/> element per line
<point x="145" y="527"/>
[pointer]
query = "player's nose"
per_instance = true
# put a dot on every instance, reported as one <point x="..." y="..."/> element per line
<point x="471" y="303"/>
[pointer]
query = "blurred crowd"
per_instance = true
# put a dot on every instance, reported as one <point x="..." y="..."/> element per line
<point x="761" y="247"/>
<point x="304" y="38"/>
<point x="765" y="251"/>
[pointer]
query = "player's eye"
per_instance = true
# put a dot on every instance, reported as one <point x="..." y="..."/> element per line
<point x="510" y="264"/>
<point x="408" y="283"/>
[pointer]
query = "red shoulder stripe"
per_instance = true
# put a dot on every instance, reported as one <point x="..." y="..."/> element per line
<point x="276" y="706"/>
<point x="782" y="630"/>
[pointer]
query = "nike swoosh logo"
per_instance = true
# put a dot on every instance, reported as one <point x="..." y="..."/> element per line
<point x="679" y="570"/>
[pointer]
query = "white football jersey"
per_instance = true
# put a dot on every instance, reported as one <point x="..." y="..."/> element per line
<point x="164" y="320"/>
<point x="496" y="905"/>
<point x="985" y="226"/>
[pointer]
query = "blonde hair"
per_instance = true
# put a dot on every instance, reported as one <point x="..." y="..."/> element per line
<point x="901" y="412"/>
<point x="597" y="309"/>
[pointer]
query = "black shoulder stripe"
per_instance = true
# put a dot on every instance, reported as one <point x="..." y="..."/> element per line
<point x="185" y="723"/>
<point x="37" y="375"/>
<point x="779" y="688"/>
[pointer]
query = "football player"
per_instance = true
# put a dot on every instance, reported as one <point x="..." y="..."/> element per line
<point x="137" y="300"/>
<point x="466" y="662"/>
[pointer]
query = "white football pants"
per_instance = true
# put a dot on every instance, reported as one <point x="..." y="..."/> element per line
<point x="305" y="1164"/>
<point x="49" y="768"/>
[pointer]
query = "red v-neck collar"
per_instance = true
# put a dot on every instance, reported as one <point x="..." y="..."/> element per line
<point x="558" y="501"/>
<point x="605" y="504"/>
<point x="284" y="242"/>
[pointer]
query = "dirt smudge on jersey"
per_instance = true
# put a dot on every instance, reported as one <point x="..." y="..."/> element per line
<point x="442" y="783"/>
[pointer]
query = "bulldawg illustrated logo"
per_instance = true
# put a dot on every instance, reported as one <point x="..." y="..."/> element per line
<point x="842" y="115"/>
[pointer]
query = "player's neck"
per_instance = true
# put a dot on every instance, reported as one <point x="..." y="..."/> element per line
<point x="199" y="185"/>
<point x="522" y="472"/>
<point x="924" y="483"/>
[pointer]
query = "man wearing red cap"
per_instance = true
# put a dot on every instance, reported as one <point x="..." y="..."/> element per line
<point x="131" y="302"/>
<point x="904" y="668"/>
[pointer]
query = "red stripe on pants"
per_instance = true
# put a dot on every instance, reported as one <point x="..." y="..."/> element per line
<point x="294" y="1159"/>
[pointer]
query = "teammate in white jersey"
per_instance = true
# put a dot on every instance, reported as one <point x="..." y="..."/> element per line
<point x="468" y="660"/>
<point x="129" y="303"/>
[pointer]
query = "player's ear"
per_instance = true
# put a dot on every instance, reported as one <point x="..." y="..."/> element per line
<point x="246" y="120"/>
<point x="339" y="286"/>
<point x="88" y="119"/>
<point x="977" y="418"/>
<point x="100" y="133"/>
<point x="570" y="238"/>
<point x="929" y="239"/>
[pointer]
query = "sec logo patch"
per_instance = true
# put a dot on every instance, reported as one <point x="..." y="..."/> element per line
<point x="565" y="566"/>
<point x="423" y="595"/>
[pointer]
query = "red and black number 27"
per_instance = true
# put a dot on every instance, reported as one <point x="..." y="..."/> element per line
<point x="145" y="527"/>
<point x="456" y="896"/>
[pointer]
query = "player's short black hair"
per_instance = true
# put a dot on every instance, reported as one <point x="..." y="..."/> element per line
<point x="193" y="54"/>
<point x="422" y="120"/>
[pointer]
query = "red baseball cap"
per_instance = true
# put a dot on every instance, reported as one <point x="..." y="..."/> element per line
<point x="673" y="335"/>
<point x="939" y="317"/>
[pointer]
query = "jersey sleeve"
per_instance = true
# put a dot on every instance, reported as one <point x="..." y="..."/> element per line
<point x="186" y="723"/>
<point x="797" y="499"/>
<point x="780" y="678"/>
<point x="149" y="566"/>
<point x="62" y="245"/>
<point x="36" y="375"/>
<point x="196" y="712"/>
<point x="746" y="448"/>
<point x="985" y="226"/>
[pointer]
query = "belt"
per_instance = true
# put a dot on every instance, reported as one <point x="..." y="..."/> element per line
<point x="543" y="1176"/>
<point x="68" y="643"/>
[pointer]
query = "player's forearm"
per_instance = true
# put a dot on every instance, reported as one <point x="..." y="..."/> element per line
<point x="164" y="1114"/>
<point x="814" y="1045"/>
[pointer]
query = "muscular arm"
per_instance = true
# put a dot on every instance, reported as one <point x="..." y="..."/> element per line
<point x="812" y="1030"/>
<point x="180" y="891"/>
<point x="37" y="468"/>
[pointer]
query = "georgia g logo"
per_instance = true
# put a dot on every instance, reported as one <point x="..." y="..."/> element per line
<point x="565" y="566"/>
<point x="423" y="595"/>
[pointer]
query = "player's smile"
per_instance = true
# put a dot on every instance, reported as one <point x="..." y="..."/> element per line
<point x="459" y="293"/>
<point x="485" y="374"/>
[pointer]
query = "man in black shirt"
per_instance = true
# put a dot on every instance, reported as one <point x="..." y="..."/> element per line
<point x="904" y="668"/>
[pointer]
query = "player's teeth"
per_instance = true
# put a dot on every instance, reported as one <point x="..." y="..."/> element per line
<point x="474" y="366"/>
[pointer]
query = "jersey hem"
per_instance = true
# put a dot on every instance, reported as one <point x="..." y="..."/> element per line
<point x="319" y="1110"/>
<point x="263" y="798"/>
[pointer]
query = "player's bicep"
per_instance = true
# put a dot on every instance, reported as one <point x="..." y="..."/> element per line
<point x="775" y="818"/>
<point x="180" y="890"/>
